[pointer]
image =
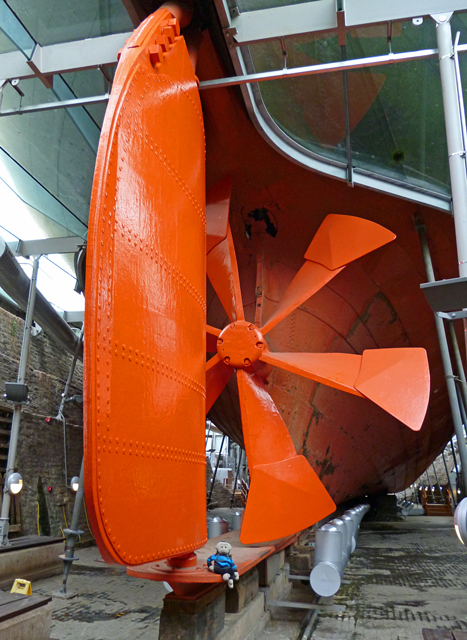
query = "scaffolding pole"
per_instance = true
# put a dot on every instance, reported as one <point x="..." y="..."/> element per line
<point x="16" y="421"/>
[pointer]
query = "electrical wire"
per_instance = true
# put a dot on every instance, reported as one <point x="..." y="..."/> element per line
<point x="64" y="516"/>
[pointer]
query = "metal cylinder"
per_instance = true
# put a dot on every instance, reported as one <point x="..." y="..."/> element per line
<point x="217" y="527"/>
<point x="16" y="283"/>
<point x="354" y="518"/>
<point x="237" y="520"/>
<point x="326" y="576"/>
<point x="342" y="527"/>
<point x="351" y="530"/>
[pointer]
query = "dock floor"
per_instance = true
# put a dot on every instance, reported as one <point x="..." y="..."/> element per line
<point x="403" y="577"/>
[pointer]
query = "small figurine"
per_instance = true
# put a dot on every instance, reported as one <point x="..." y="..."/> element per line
<point x="221" y="562"/>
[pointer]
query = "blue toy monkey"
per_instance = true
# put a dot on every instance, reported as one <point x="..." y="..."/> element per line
<point x="222" y="563"/>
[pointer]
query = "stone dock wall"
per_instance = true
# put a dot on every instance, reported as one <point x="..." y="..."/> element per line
<point x="46" y="504"/>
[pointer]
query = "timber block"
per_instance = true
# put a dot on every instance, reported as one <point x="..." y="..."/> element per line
<point x="199" y="616"/>
<point x="270" y="567"/>
<point x="25" y="617"/>
<point x="245" y="590"/>
<point x="32" y="563"/>
<point x="301" y="559"/>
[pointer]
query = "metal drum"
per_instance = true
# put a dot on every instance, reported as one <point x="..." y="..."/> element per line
<point x="217" y="527"/>
<point x="237" y="520"/>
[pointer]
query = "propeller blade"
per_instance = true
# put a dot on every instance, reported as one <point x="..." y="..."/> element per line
<point x="285" y="493"/>
<point x="310" y="279"/>
<point x="211" y="338"/>
<point x="222" y="270"/>
<point x="398" y="380"/>
<point x="217" y="212"/>
<point x="338" y="370"/>
<point x="217" y="376"/>
<point x="342" y="239"/>
<point x="284" y="497"/>
<point x="339" y="240"/>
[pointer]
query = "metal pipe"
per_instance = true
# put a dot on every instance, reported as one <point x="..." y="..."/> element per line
<point x="73" y="532"/>
<point x="16" y="421"/>
<point x="58" y="104"/>
<point x="455" y="463"/>
<point x="215" y="470"/>
<point x="436" y="476"/>
<point x="445" y="356"/>
<point x="348" y="143"/>
<point x="458" y="361"/>
<point x="60" y="415"/>
<point x="453" y="494"/>
<point x="15" y="283"/>
<point x="462" y="408"/>
<point x="459" y="91"/>
<point x="453" y="122"/>
<point x="296" y="72"/>
<point x="236" y="478"/>
<point x="429" y="485"/>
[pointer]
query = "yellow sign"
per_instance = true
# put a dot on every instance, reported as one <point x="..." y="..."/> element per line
<point x="21" y="586"/>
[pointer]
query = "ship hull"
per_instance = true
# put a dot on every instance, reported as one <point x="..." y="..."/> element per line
<point x="354" y="446"/>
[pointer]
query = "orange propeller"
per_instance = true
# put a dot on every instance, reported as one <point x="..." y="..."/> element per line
<point x="285" y="494"/>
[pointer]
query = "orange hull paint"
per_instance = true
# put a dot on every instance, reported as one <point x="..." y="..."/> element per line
<point x="145" y="464"/>
<point x="354" y="446"/>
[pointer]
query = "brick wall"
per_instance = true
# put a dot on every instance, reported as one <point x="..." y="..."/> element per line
<point x="40" y="454"/>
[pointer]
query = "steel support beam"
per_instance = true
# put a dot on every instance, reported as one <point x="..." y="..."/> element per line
<point x="16" y="421"/>
<point x="315" y="69"/>
<point x="65" y="57"/>
<point x="73" y="317"/>
<point x="454" y="134"/>
<point x="16" y="284"/>
<point x="46" y="246"/>
<point x="277" y="22"/>
<point x="368" y="11"/>
<point x="61" y="104"/>
<point x="321" y="15"/>
<point x="446" y="358"/>
<point x="73" y="532"/>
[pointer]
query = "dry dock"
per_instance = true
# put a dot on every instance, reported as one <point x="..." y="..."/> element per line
<point x="403" y="578"/>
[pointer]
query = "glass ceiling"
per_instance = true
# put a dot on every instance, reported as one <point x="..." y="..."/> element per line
<point x="47" y="158"/>
<point x="395" y="111"/>
<point x="54" y="21"/>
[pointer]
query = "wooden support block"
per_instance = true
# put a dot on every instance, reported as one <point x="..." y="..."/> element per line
<point x="245" y="590"/>
<point x="198" y="615"/>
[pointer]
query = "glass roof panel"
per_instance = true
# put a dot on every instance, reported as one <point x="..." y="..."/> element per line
<point x="6" y="45"/>
<point x="53" y="21"/>
<point x="92" y="82"/>
<point x="395" y="111"/>
<point x="51" y="148"/>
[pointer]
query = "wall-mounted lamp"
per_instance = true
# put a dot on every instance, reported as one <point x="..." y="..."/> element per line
<point x="14" y="483"/>
<point x="74" y="483"/>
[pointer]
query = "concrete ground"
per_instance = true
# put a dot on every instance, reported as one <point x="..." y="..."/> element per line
<point x="403" y="577"/>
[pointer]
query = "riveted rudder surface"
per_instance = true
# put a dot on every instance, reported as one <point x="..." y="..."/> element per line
<point x="145" y="307"/>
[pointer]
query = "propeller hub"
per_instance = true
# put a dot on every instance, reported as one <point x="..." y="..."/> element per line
<point x="240" y="344"/>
